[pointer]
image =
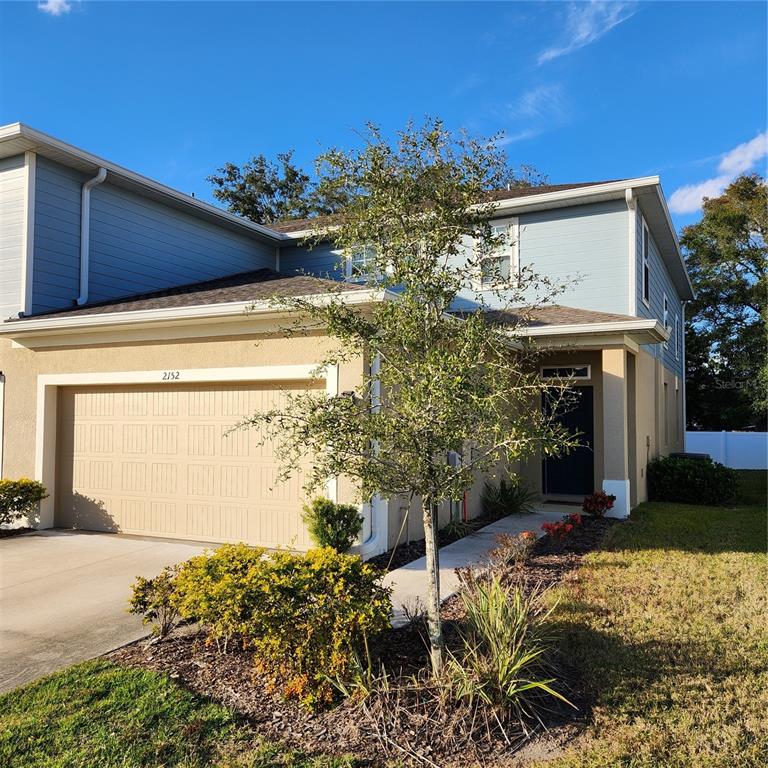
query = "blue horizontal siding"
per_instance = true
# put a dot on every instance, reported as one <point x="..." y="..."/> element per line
<point x="322" y="260"/>
<point x="56" y="263"/>
<point x="137" y="244"/>
<point x="582" y="249"/>
<point x="660" y="284"/>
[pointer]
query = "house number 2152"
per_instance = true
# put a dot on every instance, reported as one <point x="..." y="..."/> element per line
<point x="170" y="375"/>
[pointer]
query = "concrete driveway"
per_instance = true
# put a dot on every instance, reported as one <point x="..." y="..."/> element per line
<point x="63" y="596"/>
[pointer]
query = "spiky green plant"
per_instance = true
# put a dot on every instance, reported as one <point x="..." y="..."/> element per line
<point x="503" y="662"/>
<point x="507" y="497"/>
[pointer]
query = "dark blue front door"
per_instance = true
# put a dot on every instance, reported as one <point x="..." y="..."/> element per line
<point x="573" y="474"/>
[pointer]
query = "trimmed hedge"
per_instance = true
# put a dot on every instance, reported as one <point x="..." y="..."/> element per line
<point x="691" y="481"/>
<point x="19" y="498"/>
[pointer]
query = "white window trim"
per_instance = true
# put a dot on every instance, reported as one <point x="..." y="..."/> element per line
<point x="513" y="223"/>
<point x="351" y="278"/>
<point x="569" y="365"/>
<point x="645" y="259"/>
<point x="47" y="399"/>
<point x="665" y="317"/>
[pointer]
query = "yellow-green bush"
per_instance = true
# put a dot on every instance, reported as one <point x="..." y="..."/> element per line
<point x="220" y="589"/>
<point x="19" y="498"/>
<point x="306" y="616"/>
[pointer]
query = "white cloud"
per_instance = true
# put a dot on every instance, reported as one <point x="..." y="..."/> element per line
<point x="535" y="111"/>
<point x="688" y="199"/>
<point x="586" y="23"/>
<point x="55" y="7"/>
<point x="744" y="157"/>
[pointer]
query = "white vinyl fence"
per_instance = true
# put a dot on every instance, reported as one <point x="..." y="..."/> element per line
<point x="740" y="450"/>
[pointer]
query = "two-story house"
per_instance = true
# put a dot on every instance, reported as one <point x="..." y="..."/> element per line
<point x="127" y="354"/>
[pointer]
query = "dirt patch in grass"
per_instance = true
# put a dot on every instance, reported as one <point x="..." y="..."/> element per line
<point x="349" y="728"/>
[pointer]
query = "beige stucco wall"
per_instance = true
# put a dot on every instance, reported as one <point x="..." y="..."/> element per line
<point x="654" y="436"/>
<point x="21" y="367"/>
<point x="531" y="469"/>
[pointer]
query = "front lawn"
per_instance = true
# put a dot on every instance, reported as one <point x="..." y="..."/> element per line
<point x="667" y="624"/>
<point x="100" y="715"/>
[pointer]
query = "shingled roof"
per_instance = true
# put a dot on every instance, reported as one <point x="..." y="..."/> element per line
<point x="555" y="314"/>
<point x="298" y="225"/>
<point x="257" y="285"/>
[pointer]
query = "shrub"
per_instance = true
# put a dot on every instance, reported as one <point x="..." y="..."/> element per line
<point x="332" y="525"/>
<point x="503" y="660"/>
<point x="562" y="528"/>
<point x="692" y="481"/>
<point x="19" y="498"/>
<point x="598" y="503"/>
<point x="507" y="497"/>
<point x="155" y="601"/>
<point x="221" y="589"/>
<point x="314" y="617"/>
<point x="306" y="616"/>
<point x="512" y="550"/>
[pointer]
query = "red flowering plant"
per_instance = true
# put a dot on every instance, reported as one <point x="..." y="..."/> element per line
<point x="598" y="503"/>
<point x="562" y="528"/>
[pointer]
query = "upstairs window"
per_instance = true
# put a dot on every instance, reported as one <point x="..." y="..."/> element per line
<point x="665" y="319"/>
<point x="360" y="263"/>
<point x="500" y="265"/>
<point x="646" y="266"/>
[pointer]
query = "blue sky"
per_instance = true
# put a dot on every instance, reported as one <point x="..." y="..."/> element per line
<point x="583" y="91"/>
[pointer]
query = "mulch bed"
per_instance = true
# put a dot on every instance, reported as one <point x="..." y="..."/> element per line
<point x="404" y="553"/>
<point x="229" y="678"/>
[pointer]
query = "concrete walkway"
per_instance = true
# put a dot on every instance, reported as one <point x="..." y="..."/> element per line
<point x="409" y="583"/>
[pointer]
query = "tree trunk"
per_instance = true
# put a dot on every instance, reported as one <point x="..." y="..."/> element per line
<point x="435" y="629"/>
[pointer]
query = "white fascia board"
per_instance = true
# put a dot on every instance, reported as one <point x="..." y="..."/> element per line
<point x="575" y="195"/>
<point x="40" y="139"/>
<point x="653" y="327"/>
<point x="22" y="328"/>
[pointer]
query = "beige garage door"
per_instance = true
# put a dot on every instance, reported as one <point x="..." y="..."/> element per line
<point x="157" y="461"/>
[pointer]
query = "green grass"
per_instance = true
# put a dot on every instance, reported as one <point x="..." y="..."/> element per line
<point x="753" y="486"/>
<point x="668" y="623"/>
<point x="99" y="715"/>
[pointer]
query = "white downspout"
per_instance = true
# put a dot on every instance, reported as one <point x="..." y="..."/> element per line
<point x="85" y="232"/>
<point x="376" y="543"/>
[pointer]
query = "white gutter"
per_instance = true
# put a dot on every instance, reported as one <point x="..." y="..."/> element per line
<point x="576" y="194"/>
<point x="95" y="320"/>
<point x="58" y="150"/>
<point x="620" y="326"/>
<point x="85" y="232"/>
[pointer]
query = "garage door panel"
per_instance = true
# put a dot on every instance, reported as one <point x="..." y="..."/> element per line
<point x="164" y="462"/>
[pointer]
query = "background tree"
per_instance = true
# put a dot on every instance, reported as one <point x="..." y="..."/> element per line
<point x="727" y="260"/>
<point x="439" y="383"/>
<point x="268" y="191"/>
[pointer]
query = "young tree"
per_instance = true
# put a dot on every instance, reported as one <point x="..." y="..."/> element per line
<point x="440" y="381"/>
<point x="727" y="259"/>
